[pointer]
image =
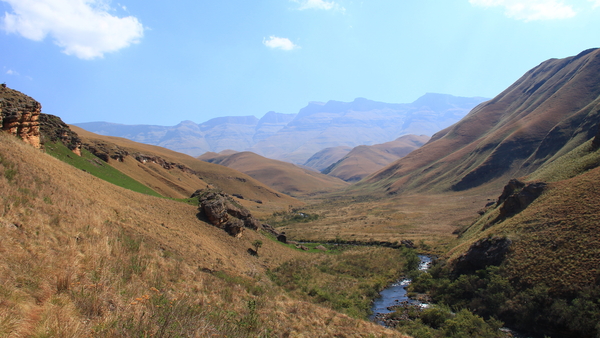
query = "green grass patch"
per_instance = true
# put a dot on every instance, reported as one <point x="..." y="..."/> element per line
<point x="573" y="163"/>
<point x="283" y="218"/>
<point x="95" y="166"/>
<point x="347" y="282"/>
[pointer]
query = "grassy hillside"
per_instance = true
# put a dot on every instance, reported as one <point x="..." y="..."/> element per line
<point x="93" y="165"/>
<point x="84" y="257"/>
<point x="281" y="176"/>
<point x="549" y="111"/>
<point x="181" y="183"/>
<point x="548" y="281"/>
<point x="365" y="160"/>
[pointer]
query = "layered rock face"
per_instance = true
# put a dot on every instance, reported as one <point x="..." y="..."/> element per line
<point x="19" y="115"/>
<point x="53" y="129"/>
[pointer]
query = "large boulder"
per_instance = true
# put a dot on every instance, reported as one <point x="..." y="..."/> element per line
<point x="222" y="211"/>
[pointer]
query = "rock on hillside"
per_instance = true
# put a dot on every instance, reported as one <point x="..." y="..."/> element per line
<point x="550" y="110"/>
<point x="19" y="115"/>
<point x="53" y="129"/>
<point x="222" y="211"/>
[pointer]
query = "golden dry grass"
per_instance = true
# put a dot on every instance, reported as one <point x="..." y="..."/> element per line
<point x="82" y="257"/>
<point x="430" y="218"/>
<point x="365" y="160"/>
<point x="177" y="184"/>
<point x="281" y="176"/>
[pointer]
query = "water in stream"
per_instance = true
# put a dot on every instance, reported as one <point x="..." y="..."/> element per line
<point x="395" y="294"/>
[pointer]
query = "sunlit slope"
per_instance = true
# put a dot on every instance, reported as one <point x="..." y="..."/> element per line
<point x="281" y="176"/>
<point x="177" y="182"/>
<point x="547" y="112"/>
<point x="81" y="256"/>
<point x="365" y="160"/>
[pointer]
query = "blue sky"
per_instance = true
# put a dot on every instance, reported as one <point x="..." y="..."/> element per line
<point x="161" y="62"/>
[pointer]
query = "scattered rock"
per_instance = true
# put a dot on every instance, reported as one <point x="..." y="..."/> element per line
<point x="320" y="247"/>
<point x="238" y="196"/>
<point x="279" y="235"/>
<point x="302" y="247"/>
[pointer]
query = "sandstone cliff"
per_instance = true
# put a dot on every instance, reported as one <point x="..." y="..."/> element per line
<point x="19" y="115"/>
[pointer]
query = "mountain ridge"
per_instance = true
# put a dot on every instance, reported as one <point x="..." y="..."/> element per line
<point x="548" y="111"/>
<point x="296" y="137"/>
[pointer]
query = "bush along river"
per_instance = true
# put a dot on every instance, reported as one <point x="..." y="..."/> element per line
<point x="394" y="297"/>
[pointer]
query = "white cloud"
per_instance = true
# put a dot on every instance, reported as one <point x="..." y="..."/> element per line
<point x="12" y="72"/>
<point x="83" y="28"/>
<point x="531" y="10"/>
<point x="281" y="43"/>
<point x="317" y="4"/>
<point x="596" y="3"/>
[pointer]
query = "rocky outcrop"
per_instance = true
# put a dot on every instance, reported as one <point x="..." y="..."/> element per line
<point x="19" y="115"/>
<point x="162" y="162"/>
<point x="516" y="196"/>
<point x="106" y="151"/>
<point x="53" y="129"/>
<point x="483" y="253"/>
<point x="220" y="210"/>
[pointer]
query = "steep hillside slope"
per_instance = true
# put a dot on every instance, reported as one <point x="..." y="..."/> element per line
<point x="278" y="175"/>
<point x="178" y="175"/>
<point x="546" y="113"/>
<point x="534" y="254"/>
<point x="83" y="257"/>
<point x="365" y="160"/>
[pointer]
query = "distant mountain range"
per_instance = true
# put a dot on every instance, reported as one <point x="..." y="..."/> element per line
<point x="296" y="137"/>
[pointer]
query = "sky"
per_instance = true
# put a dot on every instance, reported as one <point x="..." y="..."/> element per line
<point x="162" y="62"/>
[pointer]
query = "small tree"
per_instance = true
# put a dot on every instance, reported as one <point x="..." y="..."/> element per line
<point x="257" y="244"/>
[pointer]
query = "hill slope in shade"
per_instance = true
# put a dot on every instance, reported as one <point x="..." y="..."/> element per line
<point x="326" y="157"/>
<point x="547" y="112"/>
<point x="178" y="175"/>
<point x="82" y="257"/>
<point x="296" y="137"/>
<point x="278" y="175"/>
<point x="365" y="160"/>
